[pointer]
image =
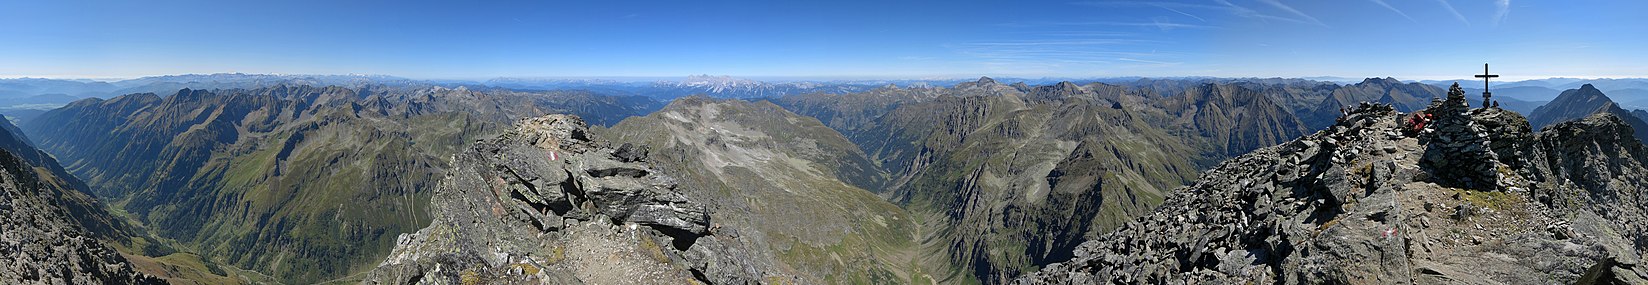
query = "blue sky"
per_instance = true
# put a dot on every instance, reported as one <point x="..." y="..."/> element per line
<point x="1417" y="39"/>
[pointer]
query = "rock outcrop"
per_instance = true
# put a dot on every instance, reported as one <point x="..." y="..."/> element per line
<point x="542" y="203"/>
<point x="1361" y="203"/>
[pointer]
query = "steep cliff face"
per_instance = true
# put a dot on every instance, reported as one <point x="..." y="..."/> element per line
<point x="1356" y="204"/>
<point x="542" y="203"/>
<point x="44" y="222"/>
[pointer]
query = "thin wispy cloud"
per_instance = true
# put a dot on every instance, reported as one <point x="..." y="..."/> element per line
<point x="1293" y="15"/>
<point x="1147" y="61"/>
<point x="1152" y="24"/>
<point x="1393" y="9"/>
<point x="1284" y="7"/>
<point x="1456" y="14"/>
<point x="1178" y="5"/>
<point x="1089" y="42"/>
<point x="1077" y="34"/>
<point x="1180" y="12"/>
<point x="1070" y="55"/>
<point x="1164" y="24"/>
<point x="1503" y="8"/>
<point x="1245" y="12"/>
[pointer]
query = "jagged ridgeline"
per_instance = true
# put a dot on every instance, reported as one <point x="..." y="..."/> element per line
<point x="302" y="183"/>
<point x="1474" y="198"/>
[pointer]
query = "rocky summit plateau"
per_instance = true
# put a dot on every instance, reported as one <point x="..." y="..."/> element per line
<point x="1476" y="197"/>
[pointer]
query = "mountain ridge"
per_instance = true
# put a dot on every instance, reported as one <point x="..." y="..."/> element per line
<point x="1574" y="104"/>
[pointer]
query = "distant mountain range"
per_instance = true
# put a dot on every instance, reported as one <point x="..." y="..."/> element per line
<point x="22" y="98"/>
<point x="1631" y="93"/>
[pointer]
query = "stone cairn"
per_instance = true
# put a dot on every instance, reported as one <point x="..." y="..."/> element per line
<point x="1457" y="151"/>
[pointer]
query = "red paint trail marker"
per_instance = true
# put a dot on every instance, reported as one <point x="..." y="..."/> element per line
<point x="552" y="156"/>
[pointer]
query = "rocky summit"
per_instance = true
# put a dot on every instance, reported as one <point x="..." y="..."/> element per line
<point x="1474" y="197"/>
<point x="543" y="203"/>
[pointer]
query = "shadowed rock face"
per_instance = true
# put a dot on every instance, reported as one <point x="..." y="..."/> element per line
<point x="544" y="203"/>
<point x="1351" y="204"/>
<point x="43" y="227"/>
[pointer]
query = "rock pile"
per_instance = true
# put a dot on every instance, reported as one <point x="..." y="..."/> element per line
<point x="1457" y="152"/>
<point x="1506" y="133"/>
<point x="544" y="203"/>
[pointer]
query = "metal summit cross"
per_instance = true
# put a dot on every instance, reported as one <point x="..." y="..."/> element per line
<point x="1485" y="76"/>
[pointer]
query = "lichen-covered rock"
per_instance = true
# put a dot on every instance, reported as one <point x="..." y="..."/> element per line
<point x="544" y="204"/>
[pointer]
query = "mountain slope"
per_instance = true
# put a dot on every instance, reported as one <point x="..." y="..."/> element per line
<point x="51" y="231"/>
<point x="1357" y="204"/>
<point x="542" y="203"/>
<point x="88" y="211"/>
<point x="788" y="180"/>
<point x="298" y="182"/>
<point x="1016" y="176"/>
<point x="1575" y="104"/>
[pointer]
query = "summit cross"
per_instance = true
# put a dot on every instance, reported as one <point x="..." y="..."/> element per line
<point x="1485" y="76"/>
